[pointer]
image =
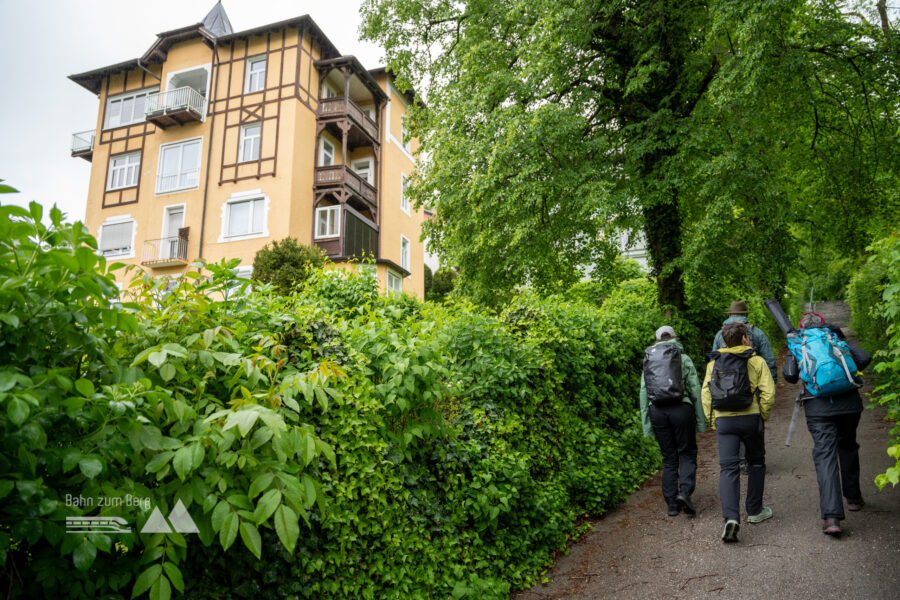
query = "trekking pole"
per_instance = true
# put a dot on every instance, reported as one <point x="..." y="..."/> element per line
<point x="797" y="404"/>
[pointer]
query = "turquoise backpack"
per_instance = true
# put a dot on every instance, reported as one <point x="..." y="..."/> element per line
<point x="826" y="365"/>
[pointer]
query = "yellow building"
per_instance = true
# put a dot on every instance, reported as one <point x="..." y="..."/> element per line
<point x="214" y="143"/>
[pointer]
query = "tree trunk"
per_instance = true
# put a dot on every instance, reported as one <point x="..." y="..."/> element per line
<point x="662" y="229"/>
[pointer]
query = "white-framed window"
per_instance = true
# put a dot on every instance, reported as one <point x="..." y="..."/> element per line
<point x="404" y="134"/>
<point x="363" y="168"/>
<point x="249" y="144"/>
<point x="404" y="252"/>
<point x="255" y="78"/>
<point x="126" y="109"/>
<point x="328" y="91"/>
<point x="404" y="199"/>
<point x="116" y="237"/>
<point x="328" y="221"/>
<point x="124" y="171"/>
<point x="245" y="217"/>
<point x="394" y="282"/>
<point x="370" y="111"/>
<point x="179" y="166"/>
<point x="326" y="154"/>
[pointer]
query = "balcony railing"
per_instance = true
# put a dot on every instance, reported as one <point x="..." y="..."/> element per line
<point x="175" y="107"/>
<point x="337" y="175"/>
<point x="83" y="144"/>
<point x="165" y="252"/>
<point x="330" y="107"/>
<point x="185" y="180"/>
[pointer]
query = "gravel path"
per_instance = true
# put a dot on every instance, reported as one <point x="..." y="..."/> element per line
<point x="636" y="551"/>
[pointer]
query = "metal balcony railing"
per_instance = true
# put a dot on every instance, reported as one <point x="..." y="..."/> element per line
<point x="82" y="141"/>
<point x="165" y="252"/>
<point x="183" y="98"/>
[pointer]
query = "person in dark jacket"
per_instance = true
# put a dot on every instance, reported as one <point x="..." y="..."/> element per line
<point x="676" y="427"/>
<point x="832" y="423"/>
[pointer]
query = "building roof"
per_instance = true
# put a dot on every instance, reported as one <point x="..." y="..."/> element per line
<point x="215" y="28"/>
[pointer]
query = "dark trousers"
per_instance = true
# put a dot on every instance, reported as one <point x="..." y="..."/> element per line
<point x="836" y="456"/>
<point x="676" y="432"/>
<point x="730" y="432"/>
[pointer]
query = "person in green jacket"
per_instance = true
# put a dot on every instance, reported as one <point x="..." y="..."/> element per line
<point x="738" y="395"/>
<point x="674" y="420"/>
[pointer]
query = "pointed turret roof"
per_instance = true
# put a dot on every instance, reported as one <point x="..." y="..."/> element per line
<point x="216" y="22"/>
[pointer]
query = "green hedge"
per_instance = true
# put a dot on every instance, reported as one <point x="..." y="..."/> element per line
<point x="360" y="446"/>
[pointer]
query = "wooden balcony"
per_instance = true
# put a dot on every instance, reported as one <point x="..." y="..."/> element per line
<point x="166" y="252"/>
<point x="340" y="177"/>
<point x="83" y="145"/>
<point x="175" y="107"/>
<point x="332" y="110"/>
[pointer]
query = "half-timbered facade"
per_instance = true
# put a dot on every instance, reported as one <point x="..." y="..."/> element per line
<point x="214" y="143"/>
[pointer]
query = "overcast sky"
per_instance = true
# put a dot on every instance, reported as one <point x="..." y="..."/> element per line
<point x="44" y="41"/>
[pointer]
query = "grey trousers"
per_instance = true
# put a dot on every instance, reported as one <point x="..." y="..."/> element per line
<point x="836" y="456"/>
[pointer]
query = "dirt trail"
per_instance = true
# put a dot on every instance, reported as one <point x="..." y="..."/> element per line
<point x="636" y="551"/>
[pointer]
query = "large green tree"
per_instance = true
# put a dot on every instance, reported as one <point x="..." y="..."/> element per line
<point x="724" y="130"/>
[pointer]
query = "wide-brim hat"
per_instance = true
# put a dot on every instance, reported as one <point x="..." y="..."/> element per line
<point x="738" y="308"/>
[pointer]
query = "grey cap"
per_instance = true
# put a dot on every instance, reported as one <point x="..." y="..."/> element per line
<point x="664" y="332"/>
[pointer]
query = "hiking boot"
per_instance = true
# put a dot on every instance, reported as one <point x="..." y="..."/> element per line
<point x="855" y="505"/>
<point x="832" y="527"/>
<point x="765" y="513"/>
<point x="684" y="501"/>
<point x="673" y="511"/>
<point x="729" y="534"/>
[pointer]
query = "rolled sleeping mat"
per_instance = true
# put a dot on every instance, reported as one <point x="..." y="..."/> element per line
<point x="781" y="319"/>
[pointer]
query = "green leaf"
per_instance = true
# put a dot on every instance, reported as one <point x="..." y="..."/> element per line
<point x="243" y="420"/>
<point x="267" y="505"/>
<point x="251" y="538"/>
<point x="229" y="530"/>
<point x="287" y="526"/>
<point x="157" y="358"/>
<point x="174" y="574"/>
<point x="18" y="410"/>
<point x="159" y="461"/>
<point x="85" y="387"/>
<point x="161" y="590"/>
<point x="6" y="486"/>
<point x="90" y="466"/>
<point x="261" y="483"/>
<point x="84" y="555"/>
<point x="183" y="462"/>
<point x="309" y="490"/>
<point x="167" y="371"/>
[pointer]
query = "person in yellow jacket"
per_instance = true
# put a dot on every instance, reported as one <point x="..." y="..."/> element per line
<point x="738" y="394"/>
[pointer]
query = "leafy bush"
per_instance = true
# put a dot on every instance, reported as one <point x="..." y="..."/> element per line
<point x="286" y="263"/>
<point x="361" y="446"/>
<point x="604" y="280"/>
<point x="442" y="283"/>
<point x="874" y="295"/>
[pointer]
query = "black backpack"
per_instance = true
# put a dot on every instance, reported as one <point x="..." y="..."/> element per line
<point x="662" y="374"/>
<point x="729" y="384"/>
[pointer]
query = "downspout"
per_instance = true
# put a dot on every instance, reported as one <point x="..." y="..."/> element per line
<point x="212" y="122"/>
<point x="144" y="69"/>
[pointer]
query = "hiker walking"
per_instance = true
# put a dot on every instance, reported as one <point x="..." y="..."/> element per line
<point x="833" y="407"/>
<point x="738" y="394"/>
<point x="670" y="409"/>
<point x="737" y="313"/>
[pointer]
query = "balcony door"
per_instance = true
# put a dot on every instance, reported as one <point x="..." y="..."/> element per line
<point x="174" y="220"/>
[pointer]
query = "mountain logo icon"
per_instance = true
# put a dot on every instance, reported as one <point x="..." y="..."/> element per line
<point x="179" y="521"/>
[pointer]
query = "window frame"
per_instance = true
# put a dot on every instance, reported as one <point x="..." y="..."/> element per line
<point x="322" y="152"/>
<point x="112" y="171"/>
<point x="404" y="135"/>
<point x="117" y="220"/>
<point x="370" y="172"/>
<point x="180" y="173"/>
<point x="404" y="201"/>
<point x="239" y="198"/>
<point x="244" y="138"/>
<point x="335" y="220"/>
<point x="326" y="87"/>
<point x="249" y="74"/>
<point x="398" y="289"/>
<point x="133" y="94"/>
<point x="407" y="247"/>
